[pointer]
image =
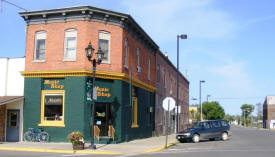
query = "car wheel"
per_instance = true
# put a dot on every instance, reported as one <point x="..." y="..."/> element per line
<point x="196" y="138"/>
<point x="224" y="136"/>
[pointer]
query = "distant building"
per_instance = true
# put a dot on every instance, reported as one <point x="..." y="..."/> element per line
<point x="269" y="112"/>
<point x="11" y="99"/>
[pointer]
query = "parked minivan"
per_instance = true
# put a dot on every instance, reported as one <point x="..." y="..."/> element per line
<point x="210" y="129"/>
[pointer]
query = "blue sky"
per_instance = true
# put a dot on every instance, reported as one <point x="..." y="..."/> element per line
<point x="230" y="43"/>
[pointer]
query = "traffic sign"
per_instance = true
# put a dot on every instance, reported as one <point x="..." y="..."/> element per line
<point x="168" y="104"/>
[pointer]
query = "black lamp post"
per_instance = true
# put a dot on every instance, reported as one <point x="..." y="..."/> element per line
<point x="182" y="36"/>
<point x="99" y="55"/>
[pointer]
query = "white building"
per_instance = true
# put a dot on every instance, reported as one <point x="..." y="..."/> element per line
<point x="11" y="99"/>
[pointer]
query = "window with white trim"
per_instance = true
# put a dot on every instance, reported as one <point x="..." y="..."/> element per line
<point x="138" y="65"/>
<point x="70" y="45"/>
<point x="40" y="46"/>
<point x="125" y="54"/>
<point x="149" y="69"/>
<point x="104" y="45"/>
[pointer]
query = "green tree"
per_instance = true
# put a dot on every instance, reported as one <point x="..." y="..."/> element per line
<point x="247" y="109"/>
<point x="212" y="110"/>
<point x="229" y="118"/>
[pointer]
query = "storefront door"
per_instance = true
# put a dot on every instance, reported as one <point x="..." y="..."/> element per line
<point x="13" y="126"/>
<point x="103" y="117"/>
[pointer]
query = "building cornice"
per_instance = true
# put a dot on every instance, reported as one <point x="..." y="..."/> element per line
<point x="79" y="73"/>
<point x="89" y="13"/>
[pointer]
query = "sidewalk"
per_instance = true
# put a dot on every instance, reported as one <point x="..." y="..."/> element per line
<point x="127" y="148"/>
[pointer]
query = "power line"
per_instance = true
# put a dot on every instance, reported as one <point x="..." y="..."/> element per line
<point x="236" y="98"/>
<point x="17" y="6"/>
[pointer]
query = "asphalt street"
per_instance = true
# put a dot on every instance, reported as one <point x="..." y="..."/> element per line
<point x="244" y="142"/>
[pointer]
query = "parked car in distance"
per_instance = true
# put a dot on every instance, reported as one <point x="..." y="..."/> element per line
<point x="210" y="129"/>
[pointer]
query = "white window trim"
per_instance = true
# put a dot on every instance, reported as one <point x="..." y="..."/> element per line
<point x="44" y="36"/>
<point x="70" y="34"/>
<point x="125" y="53"/>
<point x="109" y="46"/>
<point x="138" y="61"/>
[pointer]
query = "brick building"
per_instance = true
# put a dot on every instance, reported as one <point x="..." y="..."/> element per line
<point x="166" y="85"/>
<point x="58" y="74"/>
<point x="269" y="112"/>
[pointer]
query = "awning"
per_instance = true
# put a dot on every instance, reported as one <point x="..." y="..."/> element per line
<point x="9" y="99"/>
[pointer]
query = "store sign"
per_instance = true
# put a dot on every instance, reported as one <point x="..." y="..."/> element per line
<point x="53" y="100"/>
<point x="54" y="84"/>
<point x="103" y="92"/>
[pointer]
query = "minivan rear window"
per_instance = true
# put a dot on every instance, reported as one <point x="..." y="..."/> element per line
<point x="224" y="123"/>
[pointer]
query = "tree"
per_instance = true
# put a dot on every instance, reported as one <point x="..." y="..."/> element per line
<point x="229" y="118"/>
<point x="212" y="110"/>
<point x="247" y="109"/>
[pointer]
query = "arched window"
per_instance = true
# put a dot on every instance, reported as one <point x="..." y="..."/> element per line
<point x="70" y="45"/>
<point x="40" y="46"/>
<point x="104" y="44"/>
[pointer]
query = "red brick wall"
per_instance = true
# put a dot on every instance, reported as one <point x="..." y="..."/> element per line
<point x="2" y="122"/>
<point x="144" y="57"/>
<point x="168" y="82"/>
<point x="86" y="32"/>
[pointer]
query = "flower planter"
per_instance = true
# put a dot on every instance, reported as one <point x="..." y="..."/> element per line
<point x="78" y="146"/>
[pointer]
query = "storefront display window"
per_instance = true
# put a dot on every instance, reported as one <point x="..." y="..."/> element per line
<point x="52" y="108"/>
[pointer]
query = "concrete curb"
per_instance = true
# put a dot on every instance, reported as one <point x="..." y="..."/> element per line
<point x="160" y="148"/>
<point x="60" y="151"/>
<point x="83" y="151"/>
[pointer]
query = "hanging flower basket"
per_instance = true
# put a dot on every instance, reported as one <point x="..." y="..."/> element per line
<point x="77" y="140"/>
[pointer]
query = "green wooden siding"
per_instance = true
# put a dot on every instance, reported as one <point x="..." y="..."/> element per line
<point x="77" y="112"/>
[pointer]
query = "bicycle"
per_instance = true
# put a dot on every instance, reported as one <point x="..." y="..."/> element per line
<point x="38" y="135"/>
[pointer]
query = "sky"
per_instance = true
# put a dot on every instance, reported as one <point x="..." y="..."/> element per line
<point x="230" y="43"/>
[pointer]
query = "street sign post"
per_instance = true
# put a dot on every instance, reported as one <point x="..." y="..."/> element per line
<point x="168" y="101"/>
<point x="168" y="104"/>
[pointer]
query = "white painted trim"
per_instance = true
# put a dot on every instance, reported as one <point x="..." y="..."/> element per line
<point x="11" y="101"/>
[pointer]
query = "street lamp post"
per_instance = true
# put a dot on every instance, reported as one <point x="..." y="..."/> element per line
<point x="201" y="81"/>
<point x="182" y="36"/>
<point x="207" y="96"/>
<point x="99" y="55"/>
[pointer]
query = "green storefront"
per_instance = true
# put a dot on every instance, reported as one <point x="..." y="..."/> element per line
<point x="60" y="104"/>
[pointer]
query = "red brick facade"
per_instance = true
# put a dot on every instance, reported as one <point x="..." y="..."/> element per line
<point x="2" y="122"/>
<point x="166" y="82"/>
<point x="88" y="32"/>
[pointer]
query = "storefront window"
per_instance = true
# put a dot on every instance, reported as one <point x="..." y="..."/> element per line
<point x="52" y="108"/>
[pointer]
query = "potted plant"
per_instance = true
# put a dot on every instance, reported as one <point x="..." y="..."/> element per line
<point x="77" y="140"/>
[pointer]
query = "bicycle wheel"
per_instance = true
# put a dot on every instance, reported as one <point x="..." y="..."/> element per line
<point x="44" y="137"/>
<point x="28" y="136"/>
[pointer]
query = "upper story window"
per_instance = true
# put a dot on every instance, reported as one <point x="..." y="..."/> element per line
<point x="40" y="41"/>
<point x="126" y="51"/>
<point x="70" y="45"/>
<point x="138" y="65"/>
<point x="158" y="73"/>
<point x="149" y="69"/>
<point x="104" y="45"/>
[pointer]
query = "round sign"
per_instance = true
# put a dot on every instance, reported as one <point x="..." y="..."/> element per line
<point x="168" y="104"/>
